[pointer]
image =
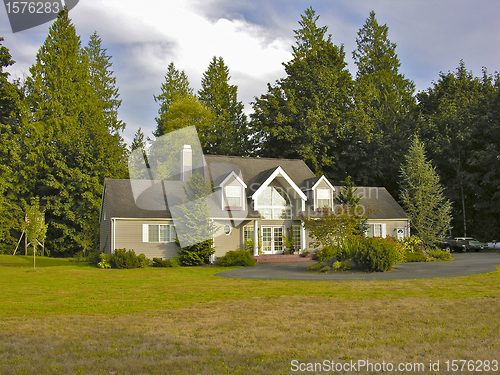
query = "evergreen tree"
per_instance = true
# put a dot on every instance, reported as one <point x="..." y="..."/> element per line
<point x="422" y="196"/>
<point x="12" y="121"/>
<point x="229" y="133"/>
<point x="73" y="145"/>
<point x="457" y="120"/>
<point x="176" y="86"/>
<point x="384" y="102"/>
<point x="104" y="83"/>
<point x="193" y="223"/>
<point x="306" y="115"/>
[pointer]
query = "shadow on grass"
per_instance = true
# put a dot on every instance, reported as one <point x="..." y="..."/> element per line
<point x="27" y="261"/>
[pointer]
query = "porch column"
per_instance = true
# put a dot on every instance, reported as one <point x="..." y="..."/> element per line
<point x="302" y="237"/>
<point x="256" y="238"/>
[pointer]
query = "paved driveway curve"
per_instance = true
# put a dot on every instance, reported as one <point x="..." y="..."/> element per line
<point x="463" y="265"/>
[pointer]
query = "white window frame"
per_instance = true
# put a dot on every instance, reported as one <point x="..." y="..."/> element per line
<point x="326" y="192"/>
<point x="232" y="191"/>
<point x="272" y="209"/>
<point x="172" y="234"/>
<point x="377" y="230"/>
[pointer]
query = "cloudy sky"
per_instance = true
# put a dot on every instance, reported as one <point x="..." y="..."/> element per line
<point x="255" y="38"/>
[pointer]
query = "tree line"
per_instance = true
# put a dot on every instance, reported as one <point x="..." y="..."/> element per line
<point x="61" y="137"/>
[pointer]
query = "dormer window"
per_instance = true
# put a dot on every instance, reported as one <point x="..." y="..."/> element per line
<point x="324" y="199"/>
<point x="234" y="198"/>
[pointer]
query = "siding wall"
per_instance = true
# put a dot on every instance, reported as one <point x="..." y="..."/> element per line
<point x="390" y="225"/>
<point x="321" y="185"/>
<point x="129" y="236"/>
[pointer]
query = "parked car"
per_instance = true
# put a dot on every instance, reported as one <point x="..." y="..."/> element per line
<point x="494" y="245"/>
<point x="462" y="244"/>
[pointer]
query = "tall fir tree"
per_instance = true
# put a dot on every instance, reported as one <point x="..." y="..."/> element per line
<point x="306" y="114"/>
<point x="423" y="197"/>
<point x="71" y="147"/>
<point x="13" y="118"/>
<point x="384" y="102"/>
<point x="229" y="132"/>
<point x="175" y="87"/>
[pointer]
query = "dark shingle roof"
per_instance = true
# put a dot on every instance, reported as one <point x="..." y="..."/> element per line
<point x="378" y="202"/>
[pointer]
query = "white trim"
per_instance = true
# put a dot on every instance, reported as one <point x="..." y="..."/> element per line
<point x="113" y="236"/>
<point x="232" y="174"/>
<point x="278" y="171"/>
<point x="225" y="196"/>
<point x="322" y="178"/>
<point x="255" y="238"/>
<point x="145" y="232"/>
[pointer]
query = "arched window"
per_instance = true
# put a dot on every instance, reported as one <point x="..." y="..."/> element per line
<point x="274" y="203"/>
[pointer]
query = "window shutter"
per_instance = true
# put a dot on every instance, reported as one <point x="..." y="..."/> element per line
<point x="384" y="230"/>
<point x="145" y="233"/>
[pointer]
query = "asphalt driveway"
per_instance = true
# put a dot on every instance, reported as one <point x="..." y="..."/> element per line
<point x="463" y="265"/>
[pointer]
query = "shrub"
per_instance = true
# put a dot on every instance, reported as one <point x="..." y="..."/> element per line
<point x="157" y="262"/>
<point x="342" y="266"/>
<point x="376" y="255"/>
<point x="305" y="253"/>
<point x="127" y="259"/>
<point x="104" y="261"/>
<point x="415" y="257"/>
<point x="197" y="254"/>
<point x="315" y="267"/>
<point x="326" y="253"/>
<point x="412" y="244"/>
<point x="439" y="254"/>
<point x="236" y="258"/>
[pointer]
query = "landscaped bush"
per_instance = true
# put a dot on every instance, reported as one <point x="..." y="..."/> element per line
<point x="415" y="257"/>
<point x="439" y="254"/>
<point x="236" y="258"/>
<point x="127" y="259"/>
<point x="326" y="253"/>
<point x="315" y="267"/>
<point x="341" y="266"/>
<point x="197" y="254"/>
<point x="376" y="255"/>
<point x="157" y="262"/>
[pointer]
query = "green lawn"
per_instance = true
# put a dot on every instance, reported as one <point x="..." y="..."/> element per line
<point x="68" y="317"/>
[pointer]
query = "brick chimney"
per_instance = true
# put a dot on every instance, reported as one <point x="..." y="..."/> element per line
<point x="186" y="162"/>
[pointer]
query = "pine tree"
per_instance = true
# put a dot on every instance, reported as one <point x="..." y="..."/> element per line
<point x="12" y="121"/>
<point x="74" y="143"/>
<point x="384" y="102"/>
<point x="104" y="83"/>
<point x="422" y="196"/>
<point x="176" y="86"/>
<point x="306" y="114"/>
<point x="229" y="133"/>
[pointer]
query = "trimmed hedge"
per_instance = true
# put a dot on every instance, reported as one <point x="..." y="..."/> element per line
<point x="236" y="258"/>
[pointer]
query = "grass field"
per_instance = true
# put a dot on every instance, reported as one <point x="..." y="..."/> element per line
<point x="71" y="318"/>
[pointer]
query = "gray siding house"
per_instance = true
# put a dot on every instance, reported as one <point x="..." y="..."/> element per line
<point x="255" y="198"/>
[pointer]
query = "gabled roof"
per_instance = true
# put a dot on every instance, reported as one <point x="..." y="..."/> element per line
<point x="378" y="202"/>
<point x="255" y="171"/>
<point x="312" y="183"/>
<point x="281" y="173"/>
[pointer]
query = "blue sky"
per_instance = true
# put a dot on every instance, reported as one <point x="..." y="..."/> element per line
<point x="255" y="38"/>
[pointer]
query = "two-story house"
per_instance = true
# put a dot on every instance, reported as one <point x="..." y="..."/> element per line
<point x="254" y="198"/>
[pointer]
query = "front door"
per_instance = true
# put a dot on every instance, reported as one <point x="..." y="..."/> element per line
<point x="272" y="240"/>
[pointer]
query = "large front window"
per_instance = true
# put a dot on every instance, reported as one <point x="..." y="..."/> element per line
<point x="273" y="203"/>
